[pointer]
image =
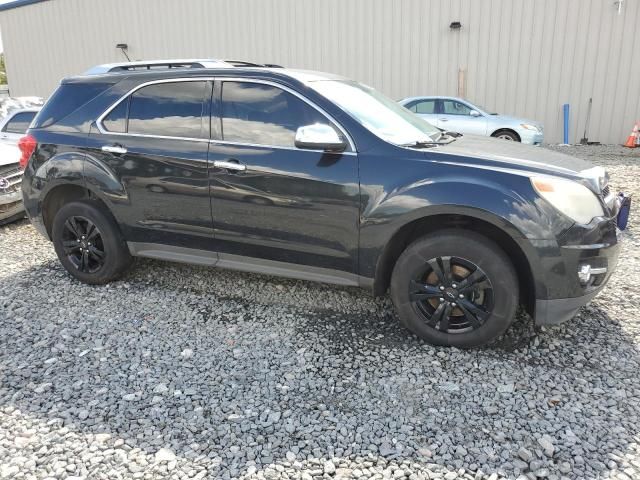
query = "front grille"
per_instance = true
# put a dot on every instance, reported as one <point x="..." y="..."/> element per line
<point x="608" y="198"/>
<point x="10" y="178"/>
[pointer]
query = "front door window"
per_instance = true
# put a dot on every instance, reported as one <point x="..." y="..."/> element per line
<point x="261" y="114"/>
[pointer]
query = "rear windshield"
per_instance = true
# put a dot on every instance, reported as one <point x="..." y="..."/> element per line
<point x="66" y="100"/>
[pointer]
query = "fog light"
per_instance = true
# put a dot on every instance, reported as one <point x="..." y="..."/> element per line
<point x="587" y="271"/>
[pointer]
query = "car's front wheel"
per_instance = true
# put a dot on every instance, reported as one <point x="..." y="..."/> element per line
<point x="88" y="242"/>
<point x="507" y="135"/>
<point x="455" y="287"/>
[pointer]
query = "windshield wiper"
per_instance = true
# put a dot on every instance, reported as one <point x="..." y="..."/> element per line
<point x="451" y="134"/>
<point x="421" y="144"/>
<point x="450" y="137"/>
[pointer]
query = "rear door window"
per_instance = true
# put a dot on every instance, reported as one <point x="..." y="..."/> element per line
<point x="424" y="107"/>
<point x="172" y="109"/>
<point x="168" y="109"/>
<point x="19" y="123"/>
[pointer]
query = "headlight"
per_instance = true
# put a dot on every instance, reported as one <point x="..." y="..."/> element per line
<point x="572" y="198"/>
<point x="528" y="126"/>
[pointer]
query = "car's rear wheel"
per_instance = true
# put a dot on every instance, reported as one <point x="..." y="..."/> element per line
<point x="88" y="242"/>
<point x="507" y="135"/>
<point x="455" y="287"/>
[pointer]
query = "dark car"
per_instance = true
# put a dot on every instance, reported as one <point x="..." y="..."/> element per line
<point x="317" y="177"/>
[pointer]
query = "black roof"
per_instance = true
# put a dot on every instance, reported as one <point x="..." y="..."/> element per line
<point x="18" y="3"/>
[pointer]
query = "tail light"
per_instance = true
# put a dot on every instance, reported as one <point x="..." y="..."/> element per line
<point x="27" y="146"/>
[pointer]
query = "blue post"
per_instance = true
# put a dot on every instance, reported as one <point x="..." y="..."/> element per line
<point x="565" y="110"/>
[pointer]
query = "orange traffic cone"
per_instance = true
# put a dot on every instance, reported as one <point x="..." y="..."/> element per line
<point x="632" y="140"/>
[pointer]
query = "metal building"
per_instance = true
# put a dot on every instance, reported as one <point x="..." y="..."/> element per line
<point x="520" y="57"/>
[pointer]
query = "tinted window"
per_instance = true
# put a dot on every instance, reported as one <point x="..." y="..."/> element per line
<point x="451" y="107"/>
<point x="19" y="122"/>
<point x="66" y="100"/>
<point x="168" y="109"/>
<point x="264" y="115"/>
<point x="116" y="121"/>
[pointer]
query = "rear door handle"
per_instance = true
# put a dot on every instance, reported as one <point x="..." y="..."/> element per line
<point x="443" y="119"/>
<point x="114" y="149"/>
<point x="228" y="165"/>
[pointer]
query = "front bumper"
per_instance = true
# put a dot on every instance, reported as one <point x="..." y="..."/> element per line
<point x="530" y="137"/>
<point x="559" y="310"/>
<point x="568" y="291"/>
<point x="11" y="206"/>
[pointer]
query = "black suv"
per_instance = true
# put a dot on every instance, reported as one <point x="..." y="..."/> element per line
<point x="317" y="177"/>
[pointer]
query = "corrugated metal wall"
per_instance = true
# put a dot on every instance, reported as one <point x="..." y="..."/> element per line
<point x="521" y="57"/>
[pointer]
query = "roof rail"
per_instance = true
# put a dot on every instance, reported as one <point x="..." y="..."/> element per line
<point x="156" y="64"/>
<point x="242" y="63"/>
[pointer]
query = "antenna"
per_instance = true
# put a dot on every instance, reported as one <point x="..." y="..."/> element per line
<point x="123" y="48"/>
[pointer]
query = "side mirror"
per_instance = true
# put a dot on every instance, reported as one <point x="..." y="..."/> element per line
<point x="319" y="137"/>
<point x="474" y="113"/>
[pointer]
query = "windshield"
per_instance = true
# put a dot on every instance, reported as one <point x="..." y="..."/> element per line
<point x="378" y="113"/>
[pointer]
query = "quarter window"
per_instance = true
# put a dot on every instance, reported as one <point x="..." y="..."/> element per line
<point x="19" y="123"/>
<point x="173" y="109"/>
<point x="263" y="114"/>
<point x="116" y="121"/>
<point x="451" y="107"/>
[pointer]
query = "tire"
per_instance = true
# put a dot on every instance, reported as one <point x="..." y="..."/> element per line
<point x="98" y="269"/>
<point x="506" y="135"/>
<point x="416" y="289"/>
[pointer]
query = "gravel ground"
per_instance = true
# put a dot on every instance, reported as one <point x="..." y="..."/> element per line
<point x="187" y="372"/>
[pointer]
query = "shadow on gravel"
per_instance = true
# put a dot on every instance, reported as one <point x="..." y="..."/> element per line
<point x="226" y="382"/>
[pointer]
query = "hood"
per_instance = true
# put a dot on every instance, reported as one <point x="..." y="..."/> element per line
<point x="495" y="153"/>
<point x="510" y="119"/>
<point x="492" y="153"/>
<point x="9" y="154"/>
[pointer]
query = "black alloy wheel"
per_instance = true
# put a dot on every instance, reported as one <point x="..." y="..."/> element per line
<point x="455" y="287"/>
<point x="83" y="244"/>
<point x="88" y="242"/>
<point x="453" y="295"/>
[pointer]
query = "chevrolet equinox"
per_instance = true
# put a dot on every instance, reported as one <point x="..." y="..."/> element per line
<point x="317" y="177"/>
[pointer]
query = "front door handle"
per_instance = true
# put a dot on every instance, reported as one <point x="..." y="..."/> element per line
<point x="443" y="119"/>
<point x="114" y="149"/>
<point x="229" y="165"/>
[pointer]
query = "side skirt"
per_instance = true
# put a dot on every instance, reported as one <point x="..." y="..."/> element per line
<point x="247" y="264"/>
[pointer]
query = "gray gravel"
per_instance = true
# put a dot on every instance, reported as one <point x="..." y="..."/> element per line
<point x="186" y="372"/>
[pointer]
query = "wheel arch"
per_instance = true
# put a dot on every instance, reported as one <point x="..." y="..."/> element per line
<point x="506" y="129"/>
<point x="61" y="194"/>
<point x="98" y="183"/>
<point x="493" y="230"/>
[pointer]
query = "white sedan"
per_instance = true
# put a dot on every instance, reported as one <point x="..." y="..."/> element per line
<point x="18" y="114"/>
<point x="458" y="115"/>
